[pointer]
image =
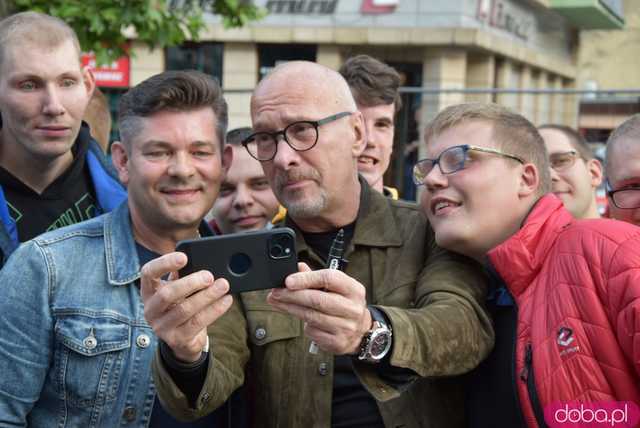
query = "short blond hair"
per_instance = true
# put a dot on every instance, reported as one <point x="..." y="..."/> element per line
<point x="35" y="28"/>
<point x="513" y="133"/>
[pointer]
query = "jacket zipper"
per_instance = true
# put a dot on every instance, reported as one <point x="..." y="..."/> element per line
<point x="527" y="376"/>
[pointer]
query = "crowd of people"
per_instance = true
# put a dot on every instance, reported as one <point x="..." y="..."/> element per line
<point x="499" y="296"/>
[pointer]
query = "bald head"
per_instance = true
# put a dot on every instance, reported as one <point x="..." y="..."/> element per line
<point x="319" y="84"/>
<point x="624" y="139"/>
<point x="623" y="171"/>
<point x="314" y="174"/>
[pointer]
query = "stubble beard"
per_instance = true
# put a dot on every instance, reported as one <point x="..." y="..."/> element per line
<point x="297" y="205"/>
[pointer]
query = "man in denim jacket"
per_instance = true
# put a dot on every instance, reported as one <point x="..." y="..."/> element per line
<point x="76" y="350"/>
<point x="52" y="173"/>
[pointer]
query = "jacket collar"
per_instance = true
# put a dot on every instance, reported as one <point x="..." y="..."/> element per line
<point x="375" y="224"/>
<point x="108" y="190"/>
<point x="123" y="266"/>
<point x="519" y="259"/>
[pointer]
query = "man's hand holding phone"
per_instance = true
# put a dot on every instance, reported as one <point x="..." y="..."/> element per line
<point x="180" y="309"/>
<point x="332" y="304"/>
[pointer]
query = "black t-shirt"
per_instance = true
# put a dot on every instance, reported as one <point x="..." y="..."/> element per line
<point x="351" y="405"/>
<point x="501" y="407"/>
<point x="68" y="200"/>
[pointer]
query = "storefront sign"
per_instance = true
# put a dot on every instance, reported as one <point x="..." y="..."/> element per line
<point x="374" y="7"/>
<point x="302" y="7"/>
<point x="503" y="15"/>
<point x="114" y="75"/>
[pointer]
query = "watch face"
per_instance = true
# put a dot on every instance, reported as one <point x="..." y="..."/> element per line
<point x="380" y="344"/>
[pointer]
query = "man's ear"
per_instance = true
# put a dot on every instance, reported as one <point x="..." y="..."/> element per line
<point x="360" y="142"/>
<point x="529" y="180"/>
<point x="89" y="80"/>
<point x="227" y="157"/>
<point x="595" y="169"/>
<point x="120" y="160"/>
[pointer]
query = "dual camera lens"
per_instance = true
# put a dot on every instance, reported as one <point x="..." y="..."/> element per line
<point x="281" y="246"/>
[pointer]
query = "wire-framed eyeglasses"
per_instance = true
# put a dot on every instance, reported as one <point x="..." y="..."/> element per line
<point x="452" y="160"/>
<point x="563" y="160"/>
<point x="300" y="136"/>
<point x="625" y="198"/>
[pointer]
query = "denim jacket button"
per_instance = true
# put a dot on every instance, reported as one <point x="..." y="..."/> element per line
<point x="143" y="341"/>
<point x="129" y="414"/>
<point x="260" y="333"/>
<point x="90" y="342"/>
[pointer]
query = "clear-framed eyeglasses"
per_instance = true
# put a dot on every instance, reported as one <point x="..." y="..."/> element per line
<point x="452" y="160"/>
<point x="300" y="136"/>
<point x="563" y="160"/>
<point x="625" y="198"/>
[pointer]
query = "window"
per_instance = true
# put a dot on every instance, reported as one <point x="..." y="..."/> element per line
<point x="204" y="57"/>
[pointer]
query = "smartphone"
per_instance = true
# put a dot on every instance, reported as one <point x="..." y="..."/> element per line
<point x="250" y="261"/>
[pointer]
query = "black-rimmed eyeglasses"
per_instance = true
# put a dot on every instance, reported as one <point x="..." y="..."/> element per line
<point x="452" y="160"/>
<point x="626" y="198"/>
<point x="300" y="136"/>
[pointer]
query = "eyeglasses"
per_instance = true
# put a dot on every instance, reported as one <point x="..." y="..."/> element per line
<point x="563" y="161"/>
<point x="300" y="136"/>
<point x="452" y="160"/>
<point x="626" y="198"/>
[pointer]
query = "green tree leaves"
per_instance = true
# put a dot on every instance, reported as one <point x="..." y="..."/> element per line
<point x="105" y="26"/>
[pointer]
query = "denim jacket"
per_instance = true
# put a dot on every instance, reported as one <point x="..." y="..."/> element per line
<point x="75" y="349"/>
<point x="108" y="190"/>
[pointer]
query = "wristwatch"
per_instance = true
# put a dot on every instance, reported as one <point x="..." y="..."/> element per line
<point x="376" y="343"/>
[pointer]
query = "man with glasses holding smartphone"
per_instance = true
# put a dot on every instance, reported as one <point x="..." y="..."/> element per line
<point x="398" y="316"/>
<point x="564" y="292"/>
<point x="622" y="166"/>
<point x="575" y="172"/>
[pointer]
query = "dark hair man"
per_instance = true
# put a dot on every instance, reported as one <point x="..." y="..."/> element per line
<point x="402" y="314"/>
<point x="575" y="172"/>
<point x="246" y="202"/>
<point x="565" y="294"/>
<point x="622" y="169"/>
<point x="374" y="86"/>
<point x="52" y="173"/>
<point x="76" y="349"/>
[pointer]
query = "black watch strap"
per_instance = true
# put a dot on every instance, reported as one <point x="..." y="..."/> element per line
<point x="378" y="315"/>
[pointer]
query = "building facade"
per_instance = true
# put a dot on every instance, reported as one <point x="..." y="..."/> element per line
<point x="608" y="64"/>
<point x="445" y="48"/>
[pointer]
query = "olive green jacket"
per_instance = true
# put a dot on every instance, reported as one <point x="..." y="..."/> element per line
<point x="433" y="298"/>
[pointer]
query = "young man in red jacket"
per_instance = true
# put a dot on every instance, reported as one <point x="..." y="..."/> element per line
<point x="566" y="292"/>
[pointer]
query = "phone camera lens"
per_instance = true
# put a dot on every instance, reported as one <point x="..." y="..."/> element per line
<point x="276" y="251"/>
<point x="281" y="246"/>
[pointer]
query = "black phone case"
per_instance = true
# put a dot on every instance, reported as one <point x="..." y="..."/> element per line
<point x="249" y="261"/>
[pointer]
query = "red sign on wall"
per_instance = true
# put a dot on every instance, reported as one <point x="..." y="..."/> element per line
<point x="114" y="75"/>
<point x="378" y="6"/>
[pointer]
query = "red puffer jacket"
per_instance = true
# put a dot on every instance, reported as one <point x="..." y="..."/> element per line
<point x="577" y="286"/>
